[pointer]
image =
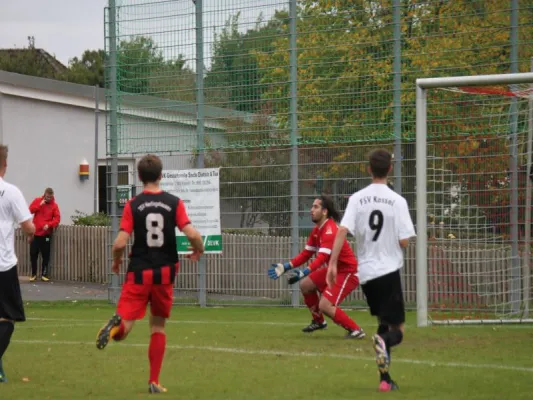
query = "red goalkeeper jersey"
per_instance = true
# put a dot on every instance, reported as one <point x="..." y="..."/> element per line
<point x="320" y="243"/>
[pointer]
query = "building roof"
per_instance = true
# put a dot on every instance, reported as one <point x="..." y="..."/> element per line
<point x="127" y="101"/>
<point x="40" y="57"/>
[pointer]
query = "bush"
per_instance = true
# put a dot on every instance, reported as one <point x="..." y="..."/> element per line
<point x="95" y="219"/>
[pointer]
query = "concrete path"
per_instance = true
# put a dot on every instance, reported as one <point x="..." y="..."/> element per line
<point x="54" y="291"/>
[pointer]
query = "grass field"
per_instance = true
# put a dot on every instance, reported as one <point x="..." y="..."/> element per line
<point x="258" y="353"/>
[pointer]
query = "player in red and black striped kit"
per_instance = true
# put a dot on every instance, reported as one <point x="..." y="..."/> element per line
<point x="152" y="217"/>
<point x="313" y="277"/>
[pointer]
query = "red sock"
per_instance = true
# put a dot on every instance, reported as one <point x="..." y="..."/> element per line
<point x="156" y="351"/>
<point x="311" y="301"/>
<point x="120" y="334"/>
<point x="342" y="319"/>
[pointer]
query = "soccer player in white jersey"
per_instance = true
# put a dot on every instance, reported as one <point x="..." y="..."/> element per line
<point x="13" y="211"/>
<point x="379" y="220"/>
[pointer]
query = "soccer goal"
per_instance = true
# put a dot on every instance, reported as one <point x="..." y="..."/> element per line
<point x="473" y="201"/>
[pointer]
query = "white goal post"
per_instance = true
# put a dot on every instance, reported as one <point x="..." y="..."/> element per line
<point x="511" y="273"/>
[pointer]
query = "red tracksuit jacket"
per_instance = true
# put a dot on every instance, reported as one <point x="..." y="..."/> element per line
<point x="47" y="214"/>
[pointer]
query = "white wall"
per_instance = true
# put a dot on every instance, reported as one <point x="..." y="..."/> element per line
<point x="47" y="141"/>
<point x="50" y="130"/>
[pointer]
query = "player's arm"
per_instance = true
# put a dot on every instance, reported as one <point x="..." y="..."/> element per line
<point x="121" y="241"/>
<point x="347" y="225"/>
<point x="321" y="259"/>
<point x="22" y="214"/>
<point x="304" y="256"/>
<point x="406" y="229"/>
<point x="340" y="237"/>
<point x="195" y="238"/>
<point x="184" y="224"/>
<point x="276" y="270"/>
<point x="327" y="241"/>
<point x="28" y="228"/>
<point x="119" y="245"/>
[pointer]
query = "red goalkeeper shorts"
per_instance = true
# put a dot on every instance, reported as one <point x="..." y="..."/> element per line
<point x="135" y="298"/>
<point x="345" y="283"/>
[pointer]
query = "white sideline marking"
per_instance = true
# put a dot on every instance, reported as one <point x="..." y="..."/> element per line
<point x="293" y="354"/>
<point x="23" y="326"/>
<point x="175" y="321"/>
<point x="301" y="324"/>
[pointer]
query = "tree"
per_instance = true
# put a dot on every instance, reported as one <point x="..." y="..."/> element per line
<point x="137" y="59"/>
<point x="142" y="69"/>
<point x="173" y="80"/>
<point x="254" y="178"/>
<point x="89" y="69"/>
<point x="345" y="59"/>
<point x="233" y="79"/>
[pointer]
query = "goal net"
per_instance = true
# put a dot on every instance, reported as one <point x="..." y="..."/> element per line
<point x="473" y="248"/>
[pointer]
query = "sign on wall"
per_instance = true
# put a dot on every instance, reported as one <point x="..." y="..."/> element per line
<point x="123" y="195"/>
<point x="200" y="191"/>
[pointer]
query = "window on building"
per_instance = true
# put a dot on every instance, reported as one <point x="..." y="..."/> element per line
<point x="104" y="196"/>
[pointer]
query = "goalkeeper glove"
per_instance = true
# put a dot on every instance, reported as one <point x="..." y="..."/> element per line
<point x="276" y="270"/>
<point x="297" y="274"/>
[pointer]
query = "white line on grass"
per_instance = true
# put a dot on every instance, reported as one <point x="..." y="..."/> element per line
<point x="23" y="326"/>
<point x="269" y="323"/>
<point x="205" y="321"/>
<point x="294" y="354"/>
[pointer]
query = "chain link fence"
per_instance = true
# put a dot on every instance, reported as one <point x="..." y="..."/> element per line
<point x="286" y="98"/>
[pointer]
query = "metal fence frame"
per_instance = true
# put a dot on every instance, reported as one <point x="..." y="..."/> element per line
<point x="113" y="111"/>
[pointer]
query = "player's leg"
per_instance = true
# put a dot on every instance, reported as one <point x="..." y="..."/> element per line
<point x="391" y="325"/>
<point x="333" y="297"/>
<point x="156" y="353"/>
<point x="6" y="331"/>
<point x="310" y="286"/>
<point x="34" y="256"/>
<point x="161" y="305"/>
<point x="392" y="314"/>
<point x="45" y="252"/>
<point x="392" y="311"/>
<point x="130" y="308"/>
<point x="390" y="336"/>
<point x="373" y="291"/>
<point x="11" y="311"/>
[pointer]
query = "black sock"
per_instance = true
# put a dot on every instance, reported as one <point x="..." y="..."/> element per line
<point x="382" y="329"/>
<point x="6" y="330"/>
<point x="393" y="338"/>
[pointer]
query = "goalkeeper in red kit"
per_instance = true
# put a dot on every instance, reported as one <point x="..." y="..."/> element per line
<point x="313" y="277"/>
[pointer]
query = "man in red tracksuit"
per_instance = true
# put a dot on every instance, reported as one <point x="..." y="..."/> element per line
<point x="46" y="218"/>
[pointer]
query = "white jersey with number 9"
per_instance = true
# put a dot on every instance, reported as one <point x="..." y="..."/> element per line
<point x="378" y="218"/>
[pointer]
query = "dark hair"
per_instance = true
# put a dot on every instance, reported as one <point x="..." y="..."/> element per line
<point x="149" y="168"/>
<point x="49" y="191"/>
<point x="380" y="162"/>
<point x="328" y="204"/>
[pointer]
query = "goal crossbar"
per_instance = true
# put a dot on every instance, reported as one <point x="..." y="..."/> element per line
<point x="477" y="80"/>
<point x="422" y="85"/>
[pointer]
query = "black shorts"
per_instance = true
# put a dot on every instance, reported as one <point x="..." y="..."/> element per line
<point x="384" y="296"/>
<point x="11" y="306"/>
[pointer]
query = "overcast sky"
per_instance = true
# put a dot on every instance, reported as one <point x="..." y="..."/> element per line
<point x="66" y="28"/>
